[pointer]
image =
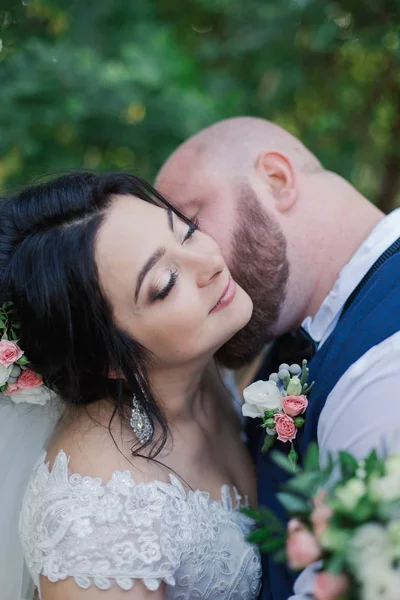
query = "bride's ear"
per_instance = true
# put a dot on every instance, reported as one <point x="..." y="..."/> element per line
<point x="278" y="173"/>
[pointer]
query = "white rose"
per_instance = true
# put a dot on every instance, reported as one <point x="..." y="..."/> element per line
<point x="385" y="488"/>
<point x="393" y="466"/>
<point x="351" y="493"/>
<point x="370" y="550"/>
<point x="259" y="397"/>
<point x="34" y="395"/>
<point x="5" y="373"/>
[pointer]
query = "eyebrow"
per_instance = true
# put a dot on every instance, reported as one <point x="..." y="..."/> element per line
<point x="154" y="258"/>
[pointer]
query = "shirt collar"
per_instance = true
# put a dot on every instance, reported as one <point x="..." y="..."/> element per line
<point x="380" y="239"/>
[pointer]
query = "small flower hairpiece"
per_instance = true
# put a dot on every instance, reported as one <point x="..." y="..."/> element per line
<point x="17" y="380"/>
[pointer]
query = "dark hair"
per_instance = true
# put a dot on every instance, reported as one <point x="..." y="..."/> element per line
<point x="47" y="269"/>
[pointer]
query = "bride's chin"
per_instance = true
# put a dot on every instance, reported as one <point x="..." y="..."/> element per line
<point x="241" y="315"/>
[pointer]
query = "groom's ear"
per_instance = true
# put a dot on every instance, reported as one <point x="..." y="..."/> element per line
<point x="278" y="173"/>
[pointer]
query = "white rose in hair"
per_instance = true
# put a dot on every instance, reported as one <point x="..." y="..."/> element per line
<point x="34" y="395"/>
<point x="5" y="373"/>
<point x="259" y="397"/>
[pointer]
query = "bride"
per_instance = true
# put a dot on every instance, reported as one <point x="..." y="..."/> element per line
<point x="121" y="303"/>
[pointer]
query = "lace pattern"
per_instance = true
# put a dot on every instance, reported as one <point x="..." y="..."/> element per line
<point x="118" y="532"/>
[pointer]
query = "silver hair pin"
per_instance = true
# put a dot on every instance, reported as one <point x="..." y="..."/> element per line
<point x="140" y="422"/>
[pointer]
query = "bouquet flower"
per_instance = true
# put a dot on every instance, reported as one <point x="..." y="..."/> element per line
<point x="348" y="517"/>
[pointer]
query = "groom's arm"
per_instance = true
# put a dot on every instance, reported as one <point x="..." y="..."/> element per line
<point x="361" y="413"/>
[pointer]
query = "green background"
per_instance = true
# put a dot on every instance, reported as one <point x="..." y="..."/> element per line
<point x="118" y="84"/>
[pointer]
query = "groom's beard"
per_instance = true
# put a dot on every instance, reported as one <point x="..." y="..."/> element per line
<point x="260" y="266"/>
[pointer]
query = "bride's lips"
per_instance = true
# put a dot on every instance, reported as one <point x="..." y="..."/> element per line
<point x="227" y="296"/>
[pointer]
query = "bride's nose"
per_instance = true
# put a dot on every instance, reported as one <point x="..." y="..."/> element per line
<point x="208" y="267"/>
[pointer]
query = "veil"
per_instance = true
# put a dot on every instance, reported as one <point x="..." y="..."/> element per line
<point x="24" y="430"/>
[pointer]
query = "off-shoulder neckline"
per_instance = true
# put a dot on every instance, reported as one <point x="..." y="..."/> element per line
<point x="228" y="492"/>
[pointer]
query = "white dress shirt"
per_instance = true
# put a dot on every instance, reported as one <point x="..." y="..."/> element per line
<point x="362" y="412"/>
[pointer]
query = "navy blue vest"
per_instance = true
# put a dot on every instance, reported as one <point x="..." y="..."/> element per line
<point x="373" y="317"/>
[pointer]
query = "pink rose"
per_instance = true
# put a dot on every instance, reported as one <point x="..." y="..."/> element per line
<point x="10" y="352"/>
<point x="285" y="427"/>
<point x="12" y="388"/>
<point x="330" y="587"/>
<point x="294" y="405"/>
<point x="321" y="514"/>
<point x="29" y="379"/>
<point x="302" y="546"/>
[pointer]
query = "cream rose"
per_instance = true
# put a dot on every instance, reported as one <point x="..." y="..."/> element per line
<point x="33" y="395"/>
<point x="5" y="373"/>
<point x="259" y="397"/>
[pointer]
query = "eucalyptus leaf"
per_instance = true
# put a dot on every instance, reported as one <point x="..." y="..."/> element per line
<point x="293" y="504"/>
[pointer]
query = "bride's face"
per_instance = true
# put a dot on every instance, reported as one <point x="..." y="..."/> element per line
<point x="167" y="282"/>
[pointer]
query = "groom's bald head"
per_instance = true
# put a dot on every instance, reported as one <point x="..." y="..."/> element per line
<point x="240" y="178"/>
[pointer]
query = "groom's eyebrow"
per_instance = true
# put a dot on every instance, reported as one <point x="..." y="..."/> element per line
<point x="154" y="258"/>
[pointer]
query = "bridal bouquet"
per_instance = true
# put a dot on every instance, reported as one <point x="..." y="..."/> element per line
<point x="352" y="525"/>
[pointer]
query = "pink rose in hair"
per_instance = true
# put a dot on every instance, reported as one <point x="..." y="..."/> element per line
<point x="330" y="587"/>
<point x="12" y="388"/>
<point x="294" y="405"/>
<point x="10" y="352"/>
<point x="285" y="427"/>
<point x="302" y="547"/>
<point x="29" y="379"/>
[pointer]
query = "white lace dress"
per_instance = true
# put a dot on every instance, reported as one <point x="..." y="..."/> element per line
<point x="111" y="534"/>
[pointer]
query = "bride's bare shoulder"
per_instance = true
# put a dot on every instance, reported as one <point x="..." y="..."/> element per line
<point x="93" y="450"/>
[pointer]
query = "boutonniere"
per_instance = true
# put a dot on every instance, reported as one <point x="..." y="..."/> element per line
<point x="281" y="403"/>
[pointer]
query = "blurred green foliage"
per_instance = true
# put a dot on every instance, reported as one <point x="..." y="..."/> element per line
<point x="114" y="84"/>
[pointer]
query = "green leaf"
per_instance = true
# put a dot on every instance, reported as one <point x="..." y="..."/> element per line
<point x="270" y="519"/>
<point x="273" y="544"/>
<point x="293" y="504"/>
<point x="259" y="535"/>
<point x="311" y="459"/>
<point x="251" y="512"/>
<point x="282" y="460"/>
<point x="306" y="484"/>
<point x="268" y="443"/>
<point x="348" y="464"/>
<point x="23" y="360"/>
<point x="336" y="563"/>
<point x="280" y="556"/>
<point x="2" y="324"/>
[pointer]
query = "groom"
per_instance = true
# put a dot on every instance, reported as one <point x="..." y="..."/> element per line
<point x="313" y="252"/>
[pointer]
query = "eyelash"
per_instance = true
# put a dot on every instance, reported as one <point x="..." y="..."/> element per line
<point x="194" y="225"/>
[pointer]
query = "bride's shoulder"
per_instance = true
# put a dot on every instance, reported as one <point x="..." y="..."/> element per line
<point x="101" y="518"/>
<point x="93" y="452"/>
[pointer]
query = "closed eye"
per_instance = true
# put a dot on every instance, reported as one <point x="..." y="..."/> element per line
<point x="155" y="295"/>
